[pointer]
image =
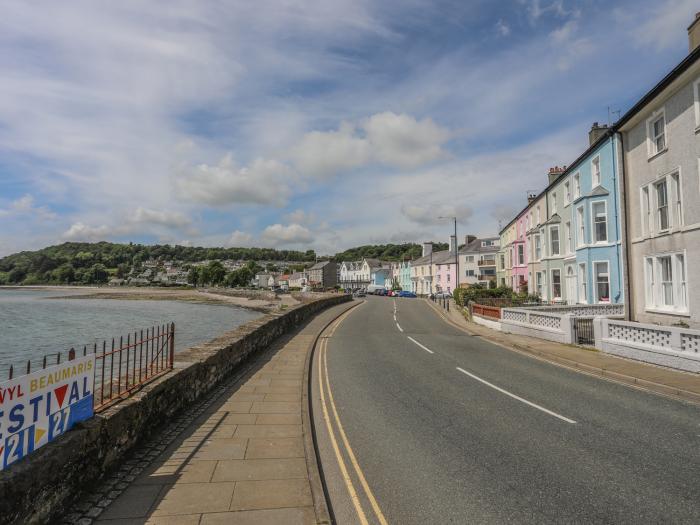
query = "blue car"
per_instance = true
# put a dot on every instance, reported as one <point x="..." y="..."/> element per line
<point x="406" y="293"/>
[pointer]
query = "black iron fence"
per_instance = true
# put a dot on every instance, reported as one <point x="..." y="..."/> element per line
<point x="583" y="331"/>
<point x="121" y="366"/>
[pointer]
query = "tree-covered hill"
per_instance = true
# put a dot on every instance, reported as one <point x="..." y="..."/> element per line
<point x="90" y="263"/>
<point x="386" y="252"/>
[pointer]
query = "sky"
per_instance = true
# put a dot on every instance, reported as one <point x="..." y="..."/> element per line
<point x="316" y="124"/>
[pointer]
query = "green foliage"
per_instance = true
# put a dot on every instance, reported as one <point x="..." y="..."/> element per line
<point x="386" y="252"/>
<point x="475" y="292"/>
<point x="75" y="262"/>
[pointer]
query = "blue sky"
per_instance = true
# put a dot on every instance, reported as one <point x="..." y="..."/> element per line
<point x="305" y="124"/>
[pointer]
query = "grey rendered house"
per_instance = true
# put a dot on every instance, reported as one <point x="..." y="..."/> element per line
<point x="323" y="274"/>
<point x="661" y="155"/>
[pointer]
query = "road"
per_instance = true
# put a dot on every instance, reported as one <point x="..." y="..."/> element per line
<point x="426" y="424"/>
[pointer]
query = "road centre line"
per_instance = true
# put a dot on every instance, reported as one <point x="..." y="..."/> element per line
<point x="399" y="327"/>
<point x="530" y="403"/>
<point x="423" y="347"/>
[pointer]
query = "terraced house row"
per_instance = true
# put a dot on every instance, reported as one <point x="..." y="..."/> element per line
<point x="621" y="223"/>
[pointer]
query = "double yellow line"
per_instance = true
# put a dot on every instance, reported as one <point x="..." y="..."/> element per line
<point x="325" y="387"/>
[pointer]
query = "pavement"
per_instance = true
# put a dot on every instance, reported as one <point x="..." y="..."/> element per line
<point x="424" y="423"/>
<point x="247" y="459"/>
<point x="661" y="380"/>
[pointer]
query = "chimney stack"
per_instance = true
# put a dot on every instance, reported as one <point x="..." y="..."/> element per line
<point x="555" y="172"/>
<point x="453" y="243"/>
<point x="597" y="131"/>
<point x="427" y="248"/>
<point x="531" y="196"/>
<point x="468" y="239"/>
<point x="694" y="34"/>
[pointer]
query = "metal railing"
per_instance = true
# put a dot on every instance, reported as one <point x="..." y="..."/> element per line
<point x="121" y="369"/>
<point x="583" y="331"/>
<point x="123" y="366"/>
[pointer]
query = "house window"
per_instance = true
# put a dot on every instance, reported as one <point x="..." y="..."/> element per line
<point x="538" y="283"/>
<point x="448" y="277"/>
<point x="582" y="283"/>
<point x="538" y="247"/>
<point x="470" y="273"/>
<point x="665" y="282"/>
<point x="569" y="239"/>
<point x="602" y="282"/>
<point x="521" y="254"/>
<point x="647" y="225"/>
<point x="595" y="171"/>
<point x="538" y="216"/>
<point x="661" y="190"/>
<point x="554" y="203"/>
<point x="469" y="258"/>
<point x="657" y="134"/>
<point x="554" y="240"/>
<point x="556" y="284"/>
<point x="676" y="192"/>
<point x="577" y="186"/>
<point x="581" y="237"/>
<point x="503" y="261"/>
<point x="567" y="192"/>
<point x="600" y="221"/>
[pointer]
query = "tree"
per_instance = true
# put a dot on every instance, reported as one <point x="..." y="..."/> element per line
<point x="193" y="276"/>
<point x="64" y="273"/>
<point x="216" y="272"/>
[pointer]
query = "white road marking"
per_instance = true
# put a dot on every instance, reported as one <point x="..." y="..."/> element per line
<point x="534" y="405"/>
<point x="399" y="327"/>
<point x="423" y="347"/>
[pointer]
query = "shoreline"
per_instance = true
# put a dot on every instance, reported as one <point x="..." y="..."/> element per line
<point x="191" y="295"/>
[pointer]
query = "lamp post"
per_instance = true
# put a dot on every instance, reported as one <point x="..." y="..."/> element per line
<point x="456" y="251"/>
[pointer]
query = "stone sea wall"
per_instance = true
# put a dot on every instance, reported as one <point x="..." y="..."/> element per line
<point x="42" y="486"/>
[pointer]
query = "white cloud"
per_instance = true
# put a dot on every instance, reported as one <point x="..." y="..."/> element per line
<point x="322" y="154"/>
<point x="502" y="28"/>
<point x="170" y="219"/>
<point x="401" y="140"/>
<point x="430" y="214"/>
<point x="85" y="233"/>
<point x="277" y="234"/>
<point x="25" y="206"/>
<point x="240" y="239"/>
<point x="300" y="216"/>
<point x="263" y="182"/>
<point x="662" y="26"/>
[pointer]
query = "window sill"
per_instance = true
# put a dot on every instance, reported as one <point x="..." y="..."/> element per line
<point x="664" y="311"/>
<point x="657" y="154"/>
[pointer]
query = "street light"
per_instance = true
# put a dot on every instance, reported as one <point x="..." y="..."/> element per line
<point x="456" y="251"/>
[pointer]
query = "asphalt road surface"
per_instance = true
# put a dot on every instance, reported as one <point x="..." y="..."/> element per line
<point x="422" y="423"/>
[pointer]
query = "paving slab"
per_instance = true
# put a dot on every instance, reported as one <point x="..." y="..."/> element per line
<point x="243" y="459"/>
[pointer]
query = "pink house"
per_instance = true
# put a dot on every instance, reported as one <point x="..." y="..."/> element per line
<point x="519" y="251"/>
<point x="445" y="272"/>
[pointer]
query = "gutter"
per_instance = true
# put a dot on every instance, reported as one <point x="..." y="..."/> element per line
<point x="625" y="232"/>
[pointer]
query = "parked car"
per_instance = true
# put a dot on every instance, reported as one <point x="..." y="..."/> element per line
<point x="406" y="293"/>
<point x="380" y="291"/>
<point x="443" y="295"/>
<point x="359" y="293"/>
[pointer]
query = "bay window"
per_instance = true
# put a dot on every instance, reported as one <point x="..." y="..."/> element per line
<point x="602" y="282"/>
<point x="581" y="237"/>
<point x="582" y="283"/>
<point x="600" y="221"/>
<point x="556" y="284"/>
<point x="554" y="240"/>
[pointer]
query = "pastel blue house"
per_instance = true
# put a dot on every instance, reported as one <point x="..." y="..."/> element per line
<point x="592" y="190"/>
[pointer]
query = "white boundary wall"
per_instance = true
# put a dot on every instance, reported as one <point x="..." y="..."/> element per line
<point x="534" y="323"/>
<point x="487" y="322"/>
<point x="662" y="345"/>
